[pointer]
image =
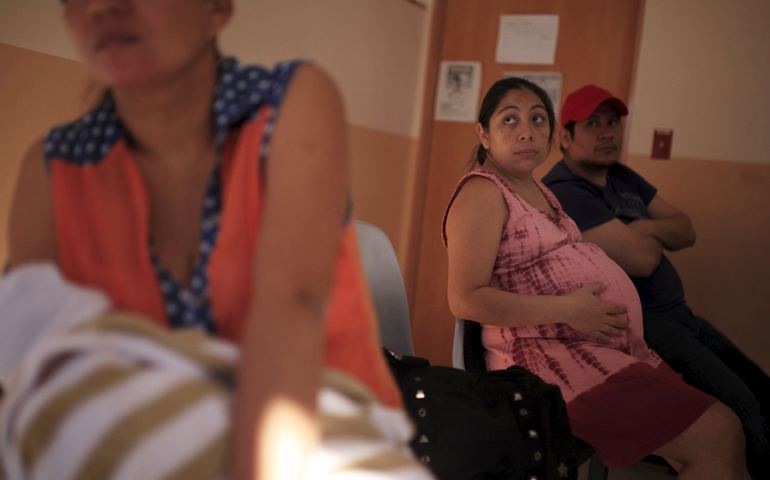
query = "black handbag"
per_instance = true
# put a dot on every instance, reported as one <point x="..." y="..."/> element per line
<point x="505" y="424"/>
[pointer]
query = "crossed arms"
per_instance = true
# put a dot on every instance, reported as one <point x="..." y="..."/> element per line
<point x="638" y="246"/>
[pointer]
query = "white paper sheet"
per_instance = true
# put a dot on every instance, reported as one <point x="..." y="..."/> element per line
<point x="548" y="81"/>
<point x="527" y="39"/>
<point x="457" y="94"/>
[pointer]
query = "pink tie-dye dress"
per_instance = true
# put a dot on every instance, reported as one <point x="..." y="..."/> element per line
<point x="606" y="387"/>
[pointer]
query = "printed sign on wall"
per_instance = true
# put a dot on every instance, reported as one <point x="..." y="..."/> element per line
<point x="458" y="91"/>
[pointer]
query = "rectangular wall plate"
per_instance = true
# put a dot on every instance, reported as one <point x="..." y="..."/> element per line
<point x="661" y="143"/>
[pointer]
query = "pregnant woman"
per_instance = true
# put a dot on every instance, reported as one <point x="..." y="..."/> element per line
<point x="563" y="310"/>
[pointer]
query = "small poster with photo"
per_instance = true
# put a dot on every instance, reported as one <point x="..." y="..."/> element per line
<point x="548" y="81"/>
<point x="457" y="94"/>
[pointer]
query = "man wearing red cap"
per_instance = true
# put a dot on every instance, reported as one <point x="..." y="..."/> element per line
<point x="618" y="210"/>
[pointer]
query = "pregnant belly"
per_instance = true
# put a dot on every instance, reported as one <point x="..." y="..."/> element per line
<point x="562" y="272"/>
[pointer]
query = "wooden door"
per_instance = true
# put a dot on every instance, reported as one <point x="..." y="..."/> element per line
<point x="597" y="43"/>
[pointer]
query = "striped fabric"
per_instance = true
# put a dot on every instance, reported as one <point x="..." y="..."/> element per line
<point x="118" y="397"/>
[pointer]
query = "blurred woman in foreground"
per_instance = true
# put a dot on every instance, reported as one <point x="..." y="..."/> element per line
<point x="203" y="193"/>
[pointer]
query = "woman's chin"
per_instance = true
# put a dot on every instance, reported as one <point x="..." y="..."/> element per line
<point x="529" y="166"/>
<point x="126" y="74"/>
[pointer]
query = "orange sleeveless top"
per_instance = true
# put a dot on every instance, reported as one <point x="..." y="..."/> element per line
<point x="101" y="216"/>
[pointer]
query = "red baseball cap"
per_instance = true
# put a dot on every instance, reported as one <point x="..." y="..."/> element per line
<point x="581" y="103"/>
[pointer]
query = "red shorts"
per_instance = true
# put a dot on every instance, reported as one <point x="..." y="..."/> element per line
<point x="635" y="412"/>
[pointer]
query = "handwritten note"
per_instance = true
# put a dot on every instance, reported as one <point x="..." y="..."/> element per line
<point x="527" y="39"/>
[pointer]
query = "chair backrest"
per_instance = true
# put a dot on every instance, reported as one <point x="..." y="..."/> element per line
<point x="468" y="351"/>
<point x="458" y="349"/>
<point x="386" y="286"/>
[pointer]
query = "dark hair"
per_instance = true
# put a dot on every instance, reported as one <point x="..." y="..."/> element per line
<point x="492" y="100"/>
<point x="570" y="127"/>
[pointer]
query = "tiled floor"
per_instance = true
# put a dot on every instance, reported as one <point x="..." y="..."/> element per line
<point x="640" y="471"/>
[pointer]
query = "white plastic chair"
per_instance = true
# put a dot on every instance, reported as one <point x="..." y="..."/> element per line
<point x="386" y="286"/>
<point x="458" y="348"/>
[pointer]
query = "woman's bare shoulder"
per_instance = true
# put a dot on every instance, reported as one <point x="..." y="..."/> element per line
<point x="480" y="197"/>
<point x="309" y="144"/>
<point x="312" y="84"/>
<point x="482" y="186"/>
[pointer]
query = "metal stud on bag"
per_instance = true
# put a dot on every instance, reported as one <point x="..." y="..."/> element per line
<point x="422" y="412"/>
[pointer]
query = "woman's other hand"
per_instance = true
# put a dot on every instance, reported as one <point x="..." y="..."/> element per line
<point x="589" y="315"/>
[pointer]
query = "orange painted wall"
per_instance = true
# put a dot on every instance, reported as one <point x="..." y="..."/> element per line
<point x="727" y="273"/>
<point x="37" y="91"/>
<point x="379" y="165"/>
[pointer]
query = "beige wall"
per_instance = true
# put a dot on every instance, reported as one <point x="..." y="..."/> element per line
<point x="371" y="48"/>
<point x="35" y="25"/>
<point x="702" y="69"/>
<point x="374" y="49"/>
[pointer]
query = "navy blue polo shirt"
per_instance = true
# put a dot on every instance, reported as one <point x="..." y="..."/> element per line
<point x="625" y="197"/>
